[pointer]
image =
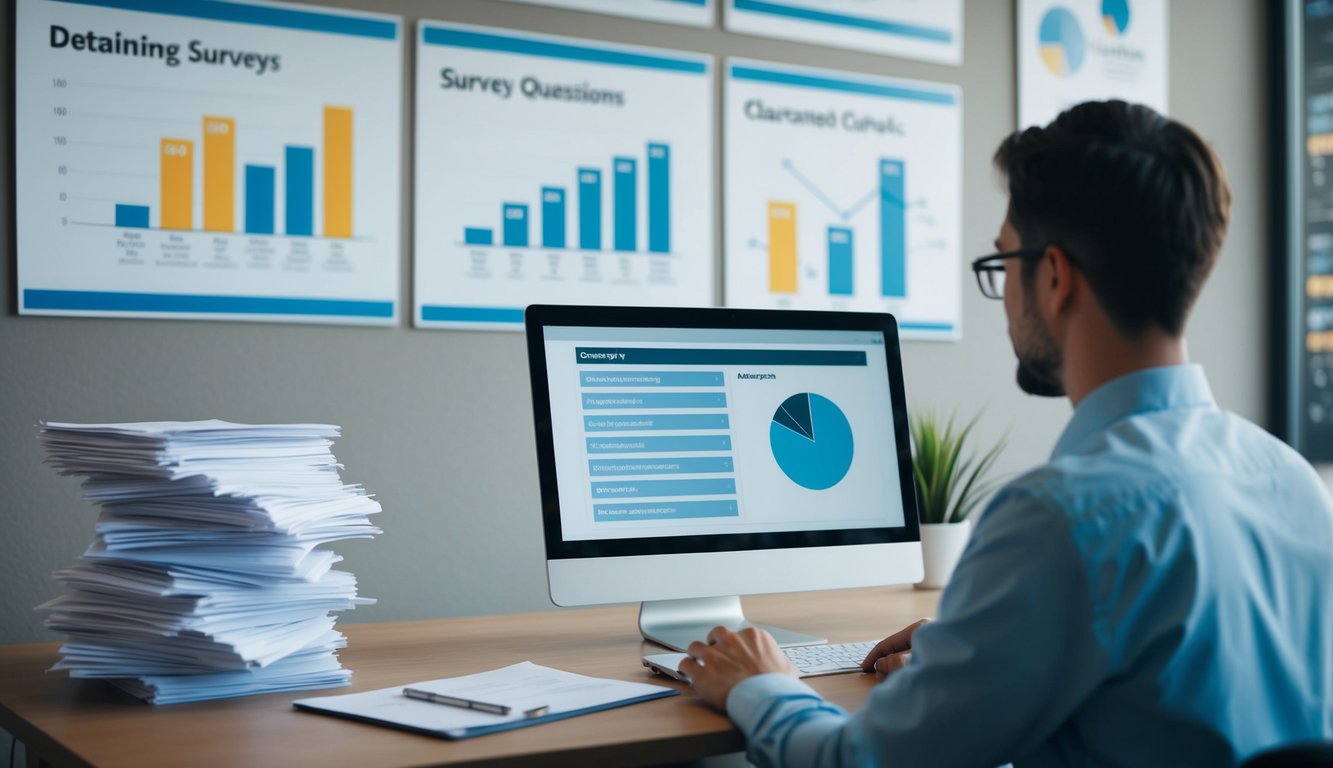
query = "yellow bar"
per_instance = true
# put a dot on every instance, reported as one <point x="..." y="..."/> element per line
<point x="1319" y="144"/>
<point x="782" y="247"/>
<point x="177" y="183"/>
<point x="1319" y="286"/>
<point x="219" y="174"/>
<point x="337" y="171"/>
<point x="1319" y="341"/>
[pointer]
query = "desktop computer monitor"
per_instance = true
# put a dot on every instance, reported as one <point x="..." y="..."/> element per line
<point x="691" y="456"/>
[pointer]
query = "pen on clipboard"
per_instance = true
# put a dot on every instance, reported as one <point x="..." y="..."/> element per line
<point x="462" y="703"/>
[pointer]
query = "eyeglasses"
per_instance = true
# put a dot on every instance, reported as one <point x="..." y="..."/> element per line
<point x="990" y="270"/>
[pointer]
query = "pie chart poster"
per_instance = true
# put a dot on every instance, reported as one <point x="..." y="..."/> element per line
<point x="1071" y="51"/>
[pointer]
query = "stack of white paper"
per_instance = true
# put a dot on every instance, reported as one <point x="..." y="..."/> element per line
<point x="206" y="579"/>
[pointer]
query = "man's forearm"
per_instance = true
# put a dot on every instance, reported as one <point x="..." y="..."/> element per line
<point x="786" y="723"/>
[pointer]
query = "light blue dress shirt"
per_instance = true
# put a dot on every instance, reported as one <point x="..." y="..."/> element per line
<point x="1160" y="593"/>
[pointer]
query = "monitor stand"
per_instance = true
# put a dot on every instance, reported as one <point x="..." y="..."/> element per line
<point x="677" y="623"/>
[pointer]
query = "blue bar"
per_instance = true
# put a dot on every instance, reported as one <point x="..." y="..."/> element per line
<point x="651" y="378"/>
<point x="553" y="217"/>
<point x="666" y="510"/>
<point x="892" y="229"/>
<point x="656" y="421"/>
<point x="478" y="236"/>
<point x="626" y="193"/>
<point x="693" y="465"/>
<point x="443" y="314"/>
<point x="590" y="209"/>
<point x="658" y="356"/>
<point x="659" y="198"/>
<point x="861" y="23"/>
<point x="259" y="182"/>
<point x="603" y="400"/>
<point x="516" y="225"/>
<point x="840" y="261"/>
<point x="825" y="83"/>
<point x="100" y="301"/>
<point x="134" y="216"/>
<point x="458" y="38"/>
<point x="659" y="444"/>
<point x="284" y="18"/>
<point x="629" y="489"/>
<point x="935" y="327"/>
<point x="300" y="199"/>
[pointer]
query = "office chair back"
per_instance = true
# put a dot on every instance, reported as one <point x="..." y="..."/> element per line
<point x="1309" y="755"/>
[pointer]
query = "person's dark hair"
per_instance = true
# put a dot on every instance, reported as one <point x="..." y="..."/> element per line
<point x="1137" y="200"/>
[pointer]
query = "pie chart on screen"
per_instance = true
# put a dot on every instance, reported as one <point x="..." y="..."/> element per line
<point x="811" y="441"/>
<point x="1061" y="42"/>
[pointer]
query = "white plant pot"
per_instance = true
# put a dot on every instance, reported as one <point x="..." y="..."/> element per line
<point x="941" y="546"/>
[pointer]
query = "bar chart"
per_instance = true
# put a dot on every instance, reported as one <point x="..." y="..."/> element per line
<point x="839" y="244"/>
<point x="598" y="192"/>
<point x="842" y="193"/>
<point x="518" y="225"/>
<point x="218" y="192"/>
<point x="258" y="189"/>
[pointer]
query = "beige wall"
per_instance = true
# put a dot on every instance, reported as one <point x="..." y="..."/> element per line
<point x="437" y="423"/>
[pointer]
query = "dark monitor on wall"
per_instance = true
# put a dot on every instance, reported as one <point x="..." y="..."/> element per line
<point x="690" y="456"/>
<point x="1302" y="195"/>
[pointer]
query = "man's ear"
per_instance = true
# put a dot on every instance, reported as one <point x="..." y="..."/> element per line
<point x="1057" y="278"/>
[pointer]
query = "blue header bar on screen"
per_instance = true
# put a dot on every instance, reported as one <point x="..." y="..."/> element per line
<point x="660" y="356"/>
<point x="633" y="336"/>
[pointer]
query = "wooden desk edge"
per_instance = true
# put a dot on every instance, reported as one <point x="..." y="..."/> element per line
<point x="381" y="654"/>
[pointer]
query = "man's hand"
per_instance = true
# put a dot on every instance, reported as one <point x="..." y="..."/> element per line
<point x="730" y="657"/>
<point x="893" y="652"/>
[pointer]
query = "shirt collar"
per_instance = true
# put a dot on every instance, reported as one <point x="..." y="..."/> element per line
<point x="1145" y="391"/>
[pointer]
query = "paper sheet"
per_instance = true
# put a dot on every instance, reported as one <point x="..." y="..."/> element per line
<point x="521" y="686"/>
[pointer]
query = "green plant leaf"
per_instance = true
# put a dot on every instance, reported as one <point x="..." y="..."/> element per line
<point x="950" y="480"/>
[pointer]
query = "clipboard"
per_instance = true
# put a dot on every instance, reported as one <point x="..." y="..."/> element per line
<point x="523" y="686"/>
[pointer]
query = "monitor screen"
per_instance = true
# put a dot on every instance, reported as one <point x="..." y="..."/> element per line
<point x="673" y="432"/>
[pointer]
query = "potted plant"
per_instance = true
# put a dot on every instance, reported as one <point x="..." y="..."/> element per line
<point x="949" y="486"/>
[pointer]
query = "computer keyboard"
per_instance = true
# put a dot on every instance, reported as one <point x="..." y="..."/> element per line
<point x="810" y="660"/>
<point x="830" y="659"/>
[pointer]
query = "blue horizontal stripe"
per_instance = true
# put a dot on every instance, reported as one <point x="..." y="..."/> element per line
<point x="926" y="326"/>
<point x="825" y="83"/>
<point x="655" y="422"/>
<point x="712" y="486"/>
<point x="603" y="378"/>
<point x="693" y="465"/>
<point x="458" y="38"/>
<point x="700" y="3"/>
<point x="674" y="444"/>
<point x="264" y="16"/>
<point x="712" y="356"/>
<point x="616" y="400"/>
<point x="866" y="24"/>
<point x="665" y="510"/>
<point x="101" y="301"/>
<point x="471" y="314"/>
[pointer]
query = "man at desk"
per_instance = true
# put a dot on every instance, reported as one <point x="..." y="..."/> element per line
<point x="1159" y="593"/>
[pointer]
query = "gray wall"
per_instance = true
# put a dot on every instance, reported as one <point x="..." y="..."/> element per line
<point x="449" y="451"/>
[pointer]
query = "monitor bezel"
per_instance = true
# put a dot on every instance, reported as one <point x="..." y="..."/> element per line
<point x="539" y="316"/>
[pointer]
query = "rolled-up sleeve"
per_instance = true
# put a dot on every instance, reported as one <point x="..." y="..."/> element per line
<point x="1008" y="659"/>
